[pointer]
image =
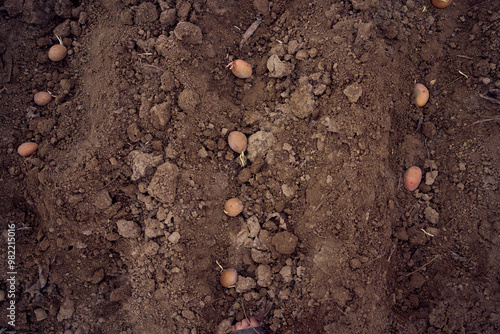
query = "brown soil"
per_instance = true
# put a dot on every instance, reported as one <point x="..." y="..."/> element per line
<point x="118" y="216"/>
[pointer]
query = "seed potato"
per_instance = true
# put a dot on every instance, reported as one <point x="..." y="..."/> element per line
<point x="228" y="277"/>
<point x="441" y="3"/>
<point x="42" y="98"/>
<point x="237" y="141"/>
<point x="27" y="149"/>
<point x="233" y="207"/>
<point x="241" y="68"/>
<point x="420" y="94"/>
<point x="412" y="178"/>
<point x="58" y="52"/>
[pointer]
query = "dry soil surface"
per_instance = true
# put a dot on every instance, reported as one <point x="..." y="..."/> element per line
<point x="117" y="219"/>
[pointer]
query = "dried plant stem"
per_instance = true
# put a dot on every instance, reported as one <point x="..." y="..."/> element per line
<point x="422" y="267"/>
<point x="246" y="316"/>
<point x="250" y="31"/>
<point x="487" y="120"/>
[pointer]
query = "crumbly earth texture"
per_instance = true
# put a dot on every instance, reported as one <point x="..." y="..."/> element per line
<point x="118" y="216"/>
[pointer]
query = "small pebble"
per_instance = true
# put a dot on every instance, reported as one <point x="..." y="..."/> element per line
<point x="245" y="284"/>
<point x="288" y="190"/>
<point x="188" y="314"/>
<point x="264" y="277"/>
<point x="98" y="276"/>
<point x="174" y="237"/>
<point x="103" y="200"/>
<point x="417" y="280"/>
<point x="428" y="129"/>
<point x="302" y="55"/>
<point x="285" y="242"/>
<point x="353" y="92"/>
<point x="431" y="215"/>
<point x="431" y="177"/>
<point x="355" y="263"/>
<point x="40" y="314"/>
<point x="128" y="229"/>
<point x="202" y="152"/>
<point x="253" y="226"/>
<point x="66" y="310"/>
<point x="121" y="293"/>
<point x="286" y="273"/>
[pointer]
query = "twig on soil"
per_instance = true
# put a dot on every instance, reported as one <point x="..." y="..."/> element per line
<point x="221" y="267"/>
<point x="250" y="31"/>
<point x="456" y="256"/>
<point x="466" y="57"/>
<point x="392" y="252"/>
<point x="341" y="310"/>
<point x="422" y="267"/>
<point x="427" y="149"/>
<point x="375" y="259"/>
<point x="411" y="210"/>
<point x="487" y="120"/>
<point x="462" y="73"/>
<point x="147" y="149"/>
<point x="492" y="96"/>
<point x="107" y="184"/>
<point x="151" y="69"/>
<point x="199" y="313"/>
<point x="478" y="4"/>
<point x="427" y="233"/>
<point x="323" y="198"/>
<point x="446" y="85"/>
<point x="265" y="307"/>
<point x="246" y="316"/>
<point x="419" y="124"/>
<point x="488" y="27"/>
<point x="338" y="308"/>
<point x="8" y="67"/>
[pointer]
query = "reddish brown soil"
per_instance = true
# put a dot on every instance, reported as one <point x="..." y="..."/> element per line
<point x="118" y="216"/>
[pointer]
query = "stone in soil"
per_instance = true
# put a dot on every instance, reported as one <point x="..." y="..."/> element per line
<point x="66" y="310"/>
<point x="163" y="186"/>
<point x="353" y="92"/>
<point x="264" y="277"/>
<point x="142" y="162"/>
<point x="128" y="229"/>
<point x="40" y="314"/>
<point x="259" y="144"/>
<point x="103" y="200"/>
<point x="188" y="33"/>
<point x="278" y="68"/>
<point x="245" y="284"/>
<point x="302" y="101"/>
<point x="285" y="242"/>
